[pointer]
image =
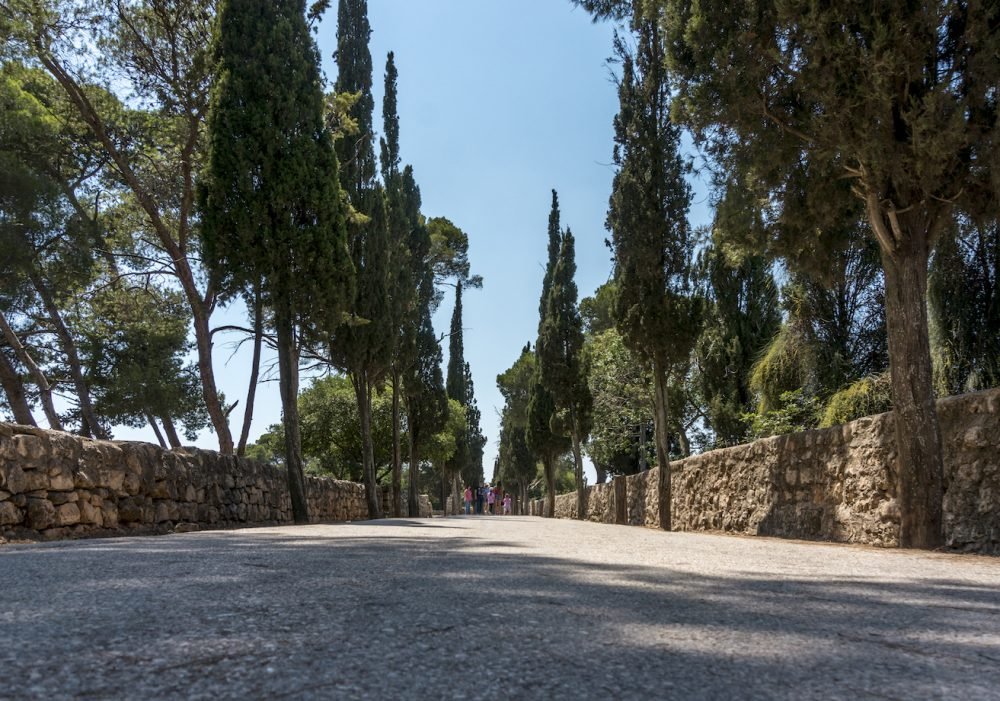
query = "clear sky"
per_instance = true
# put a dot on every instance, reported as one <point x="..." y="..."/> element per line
<point x="499" y="101"/>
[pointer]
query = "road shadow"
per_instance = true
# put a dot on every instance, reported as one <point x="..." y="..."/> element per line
<point x="341" y="614"/>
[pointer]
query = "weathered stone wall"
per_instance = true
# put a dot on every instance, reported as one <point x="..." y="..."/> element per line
<point x="831" y="484"/>
<point x="57" y="485"/>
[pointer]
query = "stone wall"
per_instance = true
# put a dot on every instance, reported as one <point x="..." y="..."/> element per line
<point x="831" y="484"/>
<point x="57" y="485"/>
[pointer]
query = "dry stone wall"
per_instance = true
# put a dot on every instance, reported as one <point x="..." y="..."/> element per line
<point x="57" y="485"/>
<point x="831" y="484"/>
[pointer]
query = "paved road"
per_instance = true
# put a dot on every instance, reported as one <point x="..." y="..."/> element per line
<point x="469" y="608"/>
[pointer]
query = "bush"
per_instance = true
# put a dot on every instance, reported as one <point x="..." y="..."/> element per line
<point x="867" y="396"/>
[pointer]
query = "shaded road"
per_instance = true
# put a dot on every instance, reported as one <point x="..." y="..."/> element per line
<point x="502" y="608"/>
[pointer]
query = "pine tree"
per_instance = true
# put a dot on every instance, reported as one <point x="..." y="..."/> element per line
<point x="651" y="238"/>
<point x="269" y="195"/>
<point x="560" y="361"/>
<point x="545" y="444"/>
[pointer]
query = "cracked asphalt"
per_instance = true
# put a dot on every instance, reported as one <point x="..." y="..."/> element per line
<point x="492" y="608"/>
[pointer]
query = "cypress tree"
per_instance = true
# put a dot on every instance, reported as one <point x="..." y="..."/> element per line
<point x="404" y="213"/>
<point x="269" y="195"/>
<point x="455" y="384"/>
<point x="473" y="471"/>
<point x="545" y="444"/>
<point x="354" y="75"/>
<point x="560" y="361"/>
<point x="362" y="347"/>
<point x="426" y="399"/>
<point x="651" y="237"/>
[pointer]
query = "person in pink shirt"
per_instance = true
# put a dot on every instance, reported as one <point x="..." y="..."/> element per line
<point x="491" y="499"/>
<point x="468" y="499"/>
<point x="506" y="504"/>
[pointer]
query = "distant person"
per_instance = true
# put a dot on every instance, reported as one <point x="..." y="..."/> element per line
<point x="480" y="497"/>
<point x="468" y="499"/>
<point x="506" y="504"/>
<point x="491" y="499"/>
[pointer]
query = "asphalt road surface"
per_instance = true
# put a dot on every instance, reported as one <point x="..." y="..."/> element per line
<point x="492" y="608"/>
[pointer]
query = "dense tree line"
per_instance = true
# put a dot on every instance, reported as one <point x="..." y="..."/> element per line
<point x="852" y="263"/>
<point x="161" y="160"/>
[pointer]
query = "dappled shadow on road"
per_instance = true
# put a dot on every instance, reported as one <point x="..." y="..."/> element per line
<point x="356" y="609"/>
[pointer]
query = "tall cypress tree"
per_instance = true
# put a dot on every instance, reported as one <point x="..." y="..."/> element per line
<point x="472" y="473"/>
<point x="354" y="75"/>
<point x="560" y="360"/>
<point x="545" y="444"/>
<point x="426" y="399"/>
<point x="404" y="213"/>
<point x="455" y="383"/>
<point x="362" y="347"/>
<point x="269" y="195"/>
<point x="651" y="238"/>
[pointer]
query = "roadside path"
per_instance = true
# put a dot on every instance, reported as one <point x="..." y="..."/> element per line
<point x="492" y="608"/>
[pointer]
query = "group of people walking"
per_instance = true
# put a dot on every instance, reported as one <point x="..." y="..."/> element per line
<point x="487" y="500"/>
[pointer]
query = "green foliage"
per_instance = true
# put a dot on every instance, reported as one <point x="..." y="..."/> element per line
<point x="449" y="254"/>
<point x="742" y="317"/>
<point x="621" y="385"/>
<point x="136" y="340"/>
<point x="598" y="312"/>
<point x="541" y="407"/>
<point x="867" y="396"/>
<point x="331" y="431"/>
<point x="356" y="155"/>
<point x="561" y="365"/>
<point x="792" y="411"/>
<point x="271" y="206"/>
<point x="964" y="303"/>
<point x="651" y="238"/>
<point x="787" y="365"/>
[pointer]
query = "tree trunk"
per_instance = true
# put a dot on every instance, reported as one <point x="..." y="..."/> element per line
<point x="602" y="474"/>
<point x="455" y="496"/>
<point x="361" y="391"/>
<point x="288" y="374"/>
<point x="87" y="413"/>
<point x="14" y="389"/>
<point x="413" y="504"/>
<point x="549" y="465"/>
<point x="156" y="429"/>
<point x="444" y="494"/>
<point x="397" y="450"/>
<point x="662" y="444"/>
<point x="581" y="491"/>
<point x="44" y="390"/>
<point x="258" y="338"/>
<point x="920" y="466"/>
<point x="171" y="431"/>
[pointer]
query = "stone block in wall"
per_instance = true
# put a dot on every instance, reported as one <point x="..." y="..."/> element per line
<point x="41" y="514"/>
<point x="67" y="515"/>
<point x="10" y="515"/>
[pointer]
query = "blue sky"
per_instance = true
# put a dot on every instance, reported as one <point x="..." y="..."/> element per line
<point x="500" y="101"/>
